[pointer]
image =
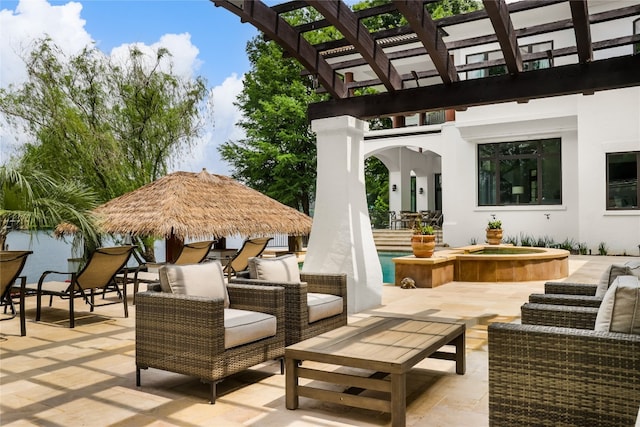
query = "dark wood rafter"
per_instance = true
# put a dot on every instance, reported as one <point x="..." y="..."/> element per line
<point x="580" y="16"/>
<point x="428" y="34"/>
<point x="613" y="73"/>
<point x="277" y="29"/>
<point x="498" y="13"/>
<point x="345" y="21"/>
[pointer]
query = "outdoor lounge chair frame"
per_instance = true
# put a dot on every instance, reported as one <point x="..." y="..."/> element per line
<point x="298" y="327"/>
<point x="12" y="263"/>
<point x="549" y="374"/>
<point x="90" y="279"/>
<point x="250" y="248"/>
<point x="192" y="343"/>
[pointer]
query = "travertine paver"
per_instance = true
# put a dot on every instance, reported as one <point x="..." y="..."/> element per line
<point x="86" y="376"/>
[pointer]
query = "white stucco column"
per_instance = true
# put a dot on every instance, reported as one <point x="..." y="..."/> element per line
<point x="341" y="239"/>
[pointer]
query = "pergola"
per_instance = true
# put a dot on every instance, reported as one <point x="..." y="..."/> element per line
<point x="412" y="66"/>
<point x="419" y="67"/>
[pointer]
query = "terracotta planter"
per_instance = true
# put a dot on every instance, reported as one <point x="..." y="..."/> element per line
<point x="423" y="245"/>
<point x="494" y="236"/>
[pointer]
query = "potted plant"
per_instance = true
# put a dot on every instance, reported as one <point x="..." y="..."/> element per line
<point x="423" y="241"/>
<point x="494" y="231"/>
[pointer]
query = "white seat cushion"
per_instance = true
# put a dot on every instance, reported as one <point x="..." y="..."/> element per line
<point x="243" y="326"/>
<point x="620" y="307"/>
<point x="279" y="269"/>
<point x="322" y="306"/>
<point x="205" y="280"/>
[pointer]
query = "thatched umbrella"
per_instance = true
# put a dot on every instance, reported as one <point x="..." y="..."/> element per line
<point x="188" y="205"/>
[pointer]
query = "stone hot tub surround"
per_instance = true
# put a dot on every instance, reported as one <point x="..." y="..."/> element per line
<point x="470" y="264"/>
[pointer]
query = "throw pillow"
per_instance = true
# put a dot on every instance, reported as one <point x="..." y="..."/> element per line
<point x="205" y="280"/>
<point x="620" y="307"/>
<point x="609" y="275"/>
<point x="279" y="269"/>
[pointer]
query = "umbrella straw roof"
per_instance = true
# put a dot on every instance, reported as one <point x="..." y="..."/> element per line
<point x="188" y="205"/>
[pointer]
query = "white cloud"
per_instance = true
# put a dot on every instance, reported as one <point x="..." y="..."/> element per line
<point x="32" y="20"/>
<point x="225" y="117"/>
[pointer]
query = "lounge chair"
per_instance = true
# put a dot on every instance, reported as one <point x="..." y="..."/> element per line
<point x="250" y="248"/>
<point x="11" y="265"/>
<point x="315" y="302"/>
<point x="191" y="253"/>
<point x="97" y="275"/>
<point x="201" y="327"/>
<point x="567" y="365"/>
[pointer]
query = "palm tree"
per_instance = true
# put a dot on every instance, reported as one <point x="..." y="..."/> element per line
<point x="31" y="200"/>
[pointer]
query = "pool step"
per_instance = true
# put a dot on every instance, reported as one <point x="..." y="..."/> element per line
<point x="397" y="240"/>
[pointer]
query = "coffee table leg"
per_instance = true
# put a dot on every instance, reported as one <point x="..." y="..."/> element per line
<point x="291" y="383"/>
<point x="461" y="365"/>
<point x="398" y="400"/>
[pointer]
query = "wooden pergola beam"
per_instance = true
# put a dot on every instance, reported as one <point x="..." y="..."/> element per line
<point x="613" y="73"/>
<point x="580" y="16"/>
<point x="277" y="29"/>
<point x="498" y="13"/>
<point x="345" y="21"/>
<point x="428" y="34"/>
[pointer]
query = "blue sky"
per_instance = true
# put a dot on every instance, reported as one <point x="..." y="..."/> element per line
<point x="204" y="40"/>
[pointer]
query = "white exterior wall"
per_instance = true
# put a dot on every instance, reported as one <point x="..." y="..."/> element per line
<point x="589" y="126"/>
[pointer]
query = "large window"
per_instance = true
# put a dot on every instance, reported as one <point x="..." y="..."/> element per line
<point x="502" y="69"/>
<point x="520" y="173"/>
<point x="623" y="171"/>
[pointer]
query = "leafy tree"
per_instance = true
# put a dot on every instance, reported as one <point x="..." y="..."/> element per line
<point x="112" y="126"/>
<point x="278" y="155"/>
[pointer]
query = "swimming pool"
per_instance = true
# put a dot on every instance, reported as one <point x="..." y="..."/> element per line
<point x="388" y="268"/>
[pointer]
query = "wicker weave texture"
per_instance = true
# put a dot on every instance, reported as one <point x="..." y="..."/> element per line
<point x="563" y="316"/>
<point x="547" y="376"/>
<point x="568" y="288"/>
<point x="185" y="334"/>
<point x="561" y="299"/>
<point x="297" y="323"/>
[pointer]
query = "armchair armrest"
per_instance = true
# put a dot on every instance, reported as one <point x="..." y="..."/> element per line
<point x="568" y="288"/>
<point x="324" y="283"/>
<point x="265" y="299"/>
<point x="559" y="315"/>
<point x="562" y="299"/>
<point x="562" y="376"/>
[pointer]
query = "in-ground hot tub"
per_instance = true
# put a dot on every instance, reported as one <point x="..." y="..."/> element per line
<point x="484" y="263"/>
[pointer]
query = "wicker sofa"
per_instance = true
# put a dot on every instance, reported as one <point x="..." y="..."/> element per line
<point x="186" y="334"/>
<point x="298" y="291"/>
<point x="547" y="372"/>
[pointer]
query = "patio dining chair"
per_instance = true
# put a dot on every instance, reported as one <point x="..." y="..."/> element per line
<point x="11" y="265"/>
<point x="191" y="253"/>
<point x="97" y="275"/>
<point x="250" y="248"/>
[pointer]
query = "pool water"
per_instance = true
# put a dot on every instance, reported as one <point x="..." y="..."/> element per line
<point x="388" y="268"/>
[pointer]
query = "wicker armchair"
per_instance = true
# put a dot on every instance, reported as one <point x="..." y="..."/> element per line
<point x="185" y="334"/>
<point x="298" y="327"/>
<point x="549" y="373"/>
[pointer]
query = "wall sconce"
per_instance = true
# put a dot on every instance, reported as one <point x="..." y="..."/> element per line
<point x="394" y="187"/>
<point x="421" y="190"/>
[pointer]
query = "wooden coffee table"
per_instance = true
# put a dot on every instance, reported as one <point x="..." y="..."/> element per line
<point x="390" y="346"/>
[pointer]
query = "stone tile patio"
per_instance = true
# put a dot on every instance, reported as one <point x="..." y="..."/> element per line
<point x="57" y="376"/>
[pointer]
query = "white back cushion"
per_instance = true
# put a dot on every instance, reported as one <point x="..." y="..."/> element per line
<point x="205" y="280"/>
<point x="620" y="308"/>
<point x="279" y="269"/>
<point x="612" y="273"/>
